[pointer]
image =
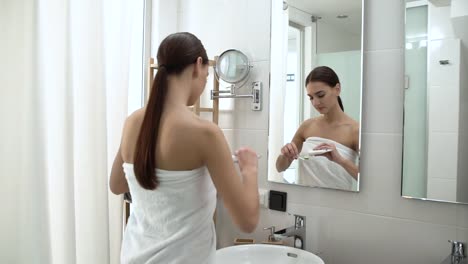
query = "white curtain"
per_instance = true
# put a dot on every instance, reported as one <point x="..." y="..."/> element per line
<point x="64" y="77"/>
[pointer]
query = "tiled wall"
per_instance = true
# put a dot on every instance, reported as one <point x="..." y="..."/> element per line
<point x="375" y="225"/>
<point x="443" y="118"/>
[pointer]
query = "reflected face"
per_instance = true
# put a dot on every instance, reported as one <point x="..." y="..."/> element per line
<point x="322" y="96"/>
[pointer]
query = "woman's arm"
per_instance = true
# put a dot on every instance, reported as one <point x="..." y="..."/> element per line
<point x="335" y="156"/>
<point x="117" y="182"/>
<point x="287" y="156"/>
<point x="290" y="151"/>
<point x="239" y="194"/>
<point x="350" y="167"/>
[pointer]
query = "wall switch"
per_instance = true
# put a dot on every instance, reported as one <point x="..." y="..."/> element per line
<point x="278" y="201"/>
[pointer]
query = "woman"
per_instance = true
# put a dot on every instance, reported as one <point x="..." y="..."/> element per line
<point x="174" y="163"/>
<point x="333" y="130"/>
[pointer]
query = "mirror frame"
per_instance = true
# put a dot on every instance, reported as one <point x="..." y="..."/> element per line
<point x="221" y="76"/>
<point x="410" y="5"/>
<point x="363" y="12"/>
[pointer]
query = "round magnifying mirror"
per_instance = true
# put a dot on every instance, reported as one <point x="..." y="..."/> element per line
<point x="232" y="66"/>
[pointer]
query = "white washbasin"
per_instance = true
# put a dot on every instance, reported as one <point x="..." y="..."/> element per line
<point x="260" y="253"/>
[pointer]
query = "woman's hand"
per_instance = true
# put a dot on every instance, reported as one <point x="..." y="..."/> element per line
<point x="333" y="155"/>
<point x="248" y="160"/>
<point x="290" y="151"/>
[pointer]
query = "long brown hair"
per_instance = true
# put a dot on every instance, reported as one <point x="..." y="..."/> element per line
<point x="326" y="75"/>
<point x="176" y="52"/>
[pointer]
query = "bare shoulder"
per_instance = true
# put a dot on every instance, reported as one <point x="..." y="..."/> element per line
<point x="191" y="129"/>
<point x="138" y="115"/>
<point x="308" y="125"/>
<point x="133" y="122"/>
<point x="305" y="129"/>
<point x="355" y="127"/>
<point x="352" y="124"/>
<point x="312" y="120"/>
<point x="208" y="130"/>
<point x="130" y="132"/>
<point x="309" y="122"/>
<point x="200" y="137"/>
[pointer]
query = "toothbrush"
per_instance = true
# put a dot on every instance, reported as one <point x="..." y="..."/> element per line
<point x="313" y="153"/>
<point x="234" y="158"/>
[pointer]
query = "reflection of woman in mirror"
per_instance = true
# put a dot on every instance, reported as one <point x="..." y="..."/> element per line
<point x="174" y="163"/>
<point x="333" y="130"/>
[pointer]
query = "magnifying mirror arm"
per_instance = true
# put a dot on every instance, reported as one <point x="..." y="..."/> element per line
<point x="256" y="95"/>
<point x="231" y="93"/>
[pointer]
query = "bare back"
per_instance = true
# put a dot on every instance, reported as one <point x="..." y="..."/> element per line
<point x="177" y="146"/>
<point x="187" y="142"/>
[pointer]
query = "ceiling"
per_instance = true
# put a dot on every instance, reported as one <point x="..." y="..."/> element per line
<point x="329" y="9"/>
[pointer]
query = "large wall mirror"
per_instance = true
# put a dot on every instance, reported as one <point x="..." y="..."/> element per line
<point x="315" y="93"/>
<point x="435" y="156"/>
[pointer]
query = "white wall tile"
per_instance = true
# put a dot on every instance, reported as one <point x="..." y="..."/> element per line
<point x="462" y="216"/>
<point x="442" y="189"/>
<point x="439" y="22"/>
<point x="371" y="239"/>
<point x="442" y="164"/>
<point x="459" y="8"/>
<point x="382" y="110"/>
<point x="255" y="139"/>
<point x="257" y="30"/>
<point x="240" y="116"/>
<point x="447" y="75"/>
<point x="462" y="236"/>
<point x="223" y="25"/>
<point x="383" y="25"/>
<point x="381" y="184"/>
<point x="340" y="236"/>
<point x="443" y="112"/>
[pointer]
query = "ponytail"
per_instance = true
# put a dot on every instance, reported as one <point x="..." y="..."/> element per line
<point x="340" y="103"/>
<point x="144" y="158"/>
<point x="176" y="52"/>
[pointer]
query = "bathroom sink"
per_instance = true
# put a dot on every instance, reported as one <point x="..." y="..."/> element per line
<point x="260" y="253"/>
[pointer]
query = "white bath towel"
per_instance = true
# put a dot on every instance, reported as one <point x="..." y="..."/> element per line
<point x="319" y="171"/>
<point x="172" y="224"/>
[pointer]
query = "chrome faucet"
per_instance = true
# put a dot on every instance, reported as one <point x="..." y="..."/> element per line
<point x="298" y="231"/>
<point x="272" y="237"/>
<point x="458" y="255"/>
